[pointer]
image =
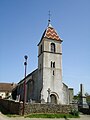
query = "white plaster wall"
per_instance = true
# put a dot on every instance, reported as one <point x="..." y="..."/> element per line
<point x="47" y="46"/>
<point x="54" y="82"/>
<point x="3" y="94"/>
<point x="65" y="94"/>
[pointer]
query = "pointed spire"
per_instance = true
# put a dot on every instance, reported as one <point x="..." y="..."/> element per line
<point x="50" y="32"/>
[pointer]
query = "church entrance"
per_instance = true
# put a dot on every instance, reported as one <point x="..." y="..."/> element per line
<point x="53" y="99"/>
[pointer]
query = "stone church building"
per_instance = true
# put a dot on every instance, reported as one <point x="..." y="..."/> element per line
<point x="45" y="85"/>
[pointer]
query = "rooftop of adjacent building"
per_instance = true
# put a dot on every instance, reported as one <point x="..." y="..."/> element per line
<point x="7" y="87"/>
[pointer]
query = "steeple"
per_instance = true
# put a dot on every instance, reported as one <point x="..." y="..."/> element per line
<point x="50" y="65"/>
<point x="50" y="32"/>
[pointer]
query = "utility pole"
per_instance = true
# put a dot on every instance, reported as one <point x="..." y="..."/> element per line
<point x="24" y="97"/>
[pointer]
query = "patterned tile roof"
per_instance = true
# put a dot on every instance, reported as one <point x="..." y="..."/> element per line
<point x="51" y="33"/>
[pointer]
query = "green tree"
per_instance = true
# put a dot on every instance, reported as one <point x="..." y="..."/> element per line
<point x="78" y="96"/>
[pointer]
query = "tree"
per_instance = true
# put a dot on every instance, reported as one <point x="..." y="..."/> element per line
<point x="78" y="96"/>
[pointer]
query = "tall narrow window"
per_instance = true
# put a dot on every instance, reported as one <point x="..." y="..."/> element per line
<point x="52" y="47"/>
<point x="53" y="64"/>
<point x="53" y="72"/>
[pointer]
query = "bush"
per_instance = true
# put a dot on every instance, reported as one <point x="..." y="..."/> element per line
<point x="74" y="113"/>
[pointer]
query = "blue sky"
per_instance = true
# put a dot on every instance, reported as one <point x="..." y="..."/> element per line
<point x="22" y="23"/>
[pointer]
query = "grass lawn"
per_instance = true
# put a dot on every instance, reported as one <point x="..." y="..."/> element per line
<point x="72" y="114"/>
<point x="52" y="116"/>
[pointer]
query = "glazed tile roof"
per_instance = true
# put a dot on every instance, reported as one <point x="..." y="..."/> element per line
<point x="51" y="33"/>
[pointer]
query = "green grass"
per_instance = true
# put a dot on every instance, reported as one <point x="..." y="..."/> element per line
<point x="13" y="115"/>
<point x="51" y="116"/>
<point x="72" y="114"/>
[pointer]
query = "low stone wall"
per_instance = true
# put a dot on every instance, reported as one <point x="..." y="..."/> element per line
<point x="8" y="106"/>
<point x="85" y="110"/>
<point x="16" y="107"/>
<point x="48" y="108"/>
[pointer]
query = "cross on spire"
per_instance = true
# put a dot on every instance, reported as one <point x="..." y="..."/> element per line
<point x="49" y="20"/>
<point x="49" y="14"/>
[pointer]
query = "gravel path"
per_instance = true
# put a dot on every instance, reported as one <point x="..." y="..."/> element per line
<point x="82" y="117"/>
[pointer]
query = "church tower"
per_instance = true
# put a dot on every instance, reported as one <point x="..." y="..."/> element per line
<point x="50" y="66"/>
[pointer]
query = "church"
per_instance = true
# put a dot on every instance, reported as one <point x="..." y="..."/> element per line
<point x="45" y="85"/>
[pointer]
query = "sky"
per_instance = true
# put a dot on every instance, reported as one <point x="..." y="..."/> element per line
<point x="22" y="23"/>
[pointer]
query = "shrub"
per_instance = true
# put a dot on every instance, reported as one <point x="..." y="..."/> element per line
<point x="74" y="113"/>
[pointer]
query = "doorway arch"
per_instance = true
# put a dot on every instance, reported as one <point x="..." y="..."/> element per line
<point x="53" y="99"/>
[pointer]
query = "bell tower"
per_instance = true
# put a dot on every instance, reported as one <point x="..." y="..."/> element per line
<point x="50" y="66"/>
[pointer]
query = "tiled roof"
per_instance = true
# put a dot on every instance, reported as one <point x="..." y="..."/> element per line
<point x="51" y="33"/>
<point x="6" y="87"/>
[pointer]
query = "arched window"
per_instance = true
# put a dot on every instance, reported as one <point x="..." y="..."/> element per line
<point x="52" y="47"/>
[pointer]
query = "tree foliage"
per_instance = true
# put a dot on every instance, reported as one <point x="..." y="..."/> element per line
<point x="78" y="97"/>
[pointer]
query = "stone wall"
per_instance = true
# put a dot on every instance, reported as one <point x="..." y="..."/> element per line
<point x="13" y="107"/>
<point x="85" y="110"/>
<point x="48" y="108"/>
